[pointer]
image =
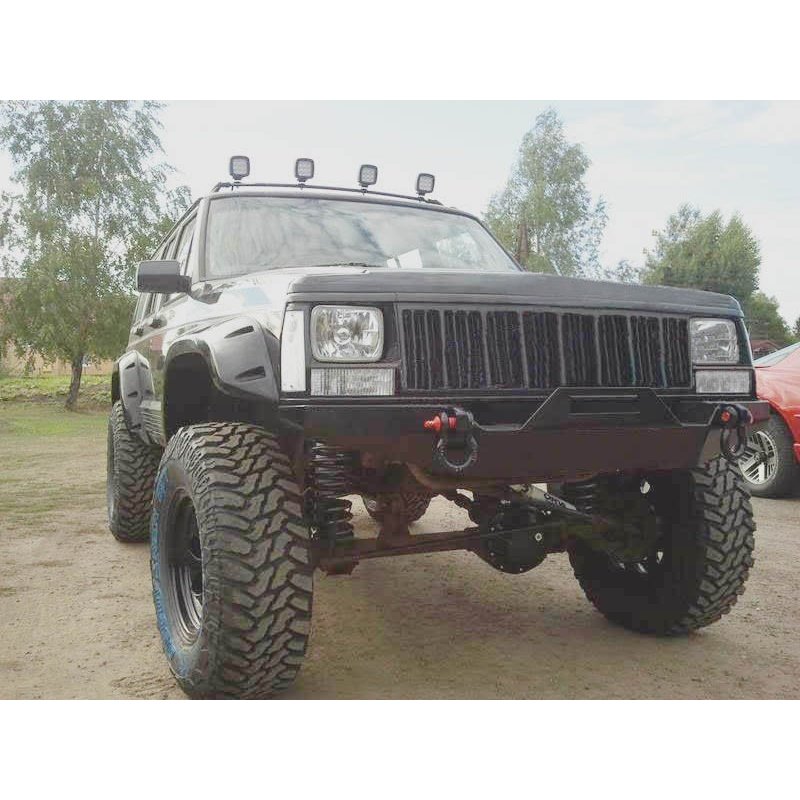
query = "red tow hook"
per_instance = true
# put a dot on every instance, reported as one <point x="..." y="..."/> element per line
<point x="733" y="418"/>
<point x="435" y="424"/>
<point x="458" y="423"/>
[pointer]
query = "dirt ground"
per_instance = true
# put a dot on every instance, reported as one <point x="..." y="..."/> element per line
<point x="77" y="621"/>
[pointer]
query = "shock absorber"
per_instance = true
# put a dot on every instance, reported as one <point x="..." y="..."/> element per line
<point x="331" y="473"/>
<point x="582" y="494"/>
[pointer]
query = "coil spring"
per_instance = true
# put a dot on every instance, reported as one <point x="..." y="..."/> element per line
<point x="331" y="474"/>
<point x="582" y="494"/>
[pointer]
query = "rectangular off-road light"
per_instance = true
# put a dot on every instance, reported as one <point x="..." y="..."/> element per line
<point x="425" y="183"/>
<point x="304" y="169"/>
<point x="239" y="167"/>
<point x="368" y="175"/>
<point x="722" y="381"/>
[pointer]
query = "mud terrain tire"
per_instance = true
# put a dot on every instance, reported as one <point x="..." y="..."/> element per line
<point x="707" y="551"/>
<point x="232" y="580"/>
<point x="130" y="475"/>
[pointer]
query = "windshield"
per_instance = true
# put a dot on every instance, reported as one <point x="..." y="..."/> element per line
<point x="248" y="234"/>
<point x="776" y="357"/>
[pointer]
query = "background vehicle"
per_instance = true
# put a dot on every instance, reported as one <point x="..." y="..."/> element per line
<point x="771" y="464"/>
<point x="294" y="345"/>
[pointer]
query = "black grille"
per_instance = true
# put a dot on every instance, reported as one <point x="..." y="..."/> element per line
<point x="510" y="348"/>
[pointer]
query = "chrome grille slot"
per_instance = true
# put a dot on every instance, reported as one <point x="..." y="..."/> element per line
<point x="517" y="348"/>
<point x="504" y="343"/>
<point x="677" y="368"/>
<point x="580" y="349"/>
<point x="646" y="338"/>
<point x="542" y="348"/>
<point x="616" y="360"/>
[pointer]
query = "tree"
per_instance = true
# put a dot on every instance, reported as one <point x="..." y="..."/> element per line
<point x="796" y="329"/>
<point x="624" y="272"/>
<point x="545" y="214"/>
<point x="705" y="253"/>
<point x="764" y="320"/>
<point x="92" y="202"/>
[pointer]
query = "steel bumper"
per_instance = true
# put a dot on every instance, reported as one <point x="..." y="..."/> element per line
<point x="571" y="434"/>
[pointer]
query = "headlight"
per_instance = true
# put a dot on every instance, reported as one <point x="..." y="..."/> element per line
<point x="346" y="333"/>
<point x="714" y="341"/>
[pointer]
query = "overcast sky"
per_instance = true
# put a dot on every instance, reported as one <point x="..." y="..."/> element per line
<point x="647" y="158"/>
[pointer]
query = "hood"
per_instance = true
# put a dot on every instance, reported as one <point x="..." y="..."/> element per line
<point x="499" y="287"/>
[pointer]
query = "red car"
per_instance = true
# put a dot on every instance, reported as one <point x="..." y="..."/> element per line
<point x="771" y="463"/>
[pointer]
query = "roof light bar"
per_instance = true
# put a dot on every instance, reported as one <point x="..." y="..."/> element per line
<point x="239" y="167"/>
<point x="425" y="183"/>
<point x="304" y="169"/>
<point x="367" y="175"/>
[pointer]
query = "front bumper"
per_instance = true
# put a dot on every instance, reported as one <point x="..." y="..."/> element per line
<point x="569" y="435"/>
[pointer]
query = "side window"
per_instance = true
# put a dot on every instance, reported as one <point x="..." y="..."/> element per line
<point x="145" y="301"/>
<point x="178" y="250"/>
<point x="185" y="246"/>
<point x="158" y="300"/>
<point x="140" y="306"/>
<point x="169" y="248"/>
<point x="152" y="304"/>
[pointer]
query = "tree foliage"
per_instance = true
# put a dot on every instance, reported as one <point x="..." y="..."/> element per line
<point x="545" y="215"/>
<point x="624" y="272"/>
<point x="764" y="320"/>
<point x="705" y="253"/>
<point x="92" y="202"/>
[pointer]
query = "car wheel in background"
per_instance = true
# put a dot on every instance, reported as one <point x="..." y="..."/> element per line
<point x="769" y="466"/>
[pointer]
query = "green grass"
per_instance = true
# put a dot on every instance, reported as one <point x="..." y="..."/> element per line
<point x="51" y="459"/>
<point x="25" y="420"/>
<point x="95" y="391"/>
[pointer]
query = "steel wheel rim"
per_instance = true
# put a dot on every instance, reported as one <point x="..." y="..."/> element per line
<point x="655" y="562"/>
<point x="185" y="570"/>
<point x="659" y="558"/>
<point x="760" y="460"/>
<point x="650" y="565"/>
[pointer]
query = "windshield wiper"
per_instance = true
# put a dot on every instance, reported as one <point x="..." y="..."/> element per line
<point x="351" y="264"/>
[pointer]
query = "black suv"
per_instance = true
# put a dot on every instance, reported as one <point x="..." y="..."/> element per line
<point x="293" y="345"/>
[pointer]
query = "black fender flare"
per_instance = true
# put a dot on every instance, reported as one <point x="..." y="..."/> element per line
<point x="133" y="381"/>
<point x="242" y="358"/>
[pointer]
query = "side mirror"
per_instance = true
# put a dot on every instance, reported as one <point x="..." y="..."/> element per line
<point x="163" y="277"/>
